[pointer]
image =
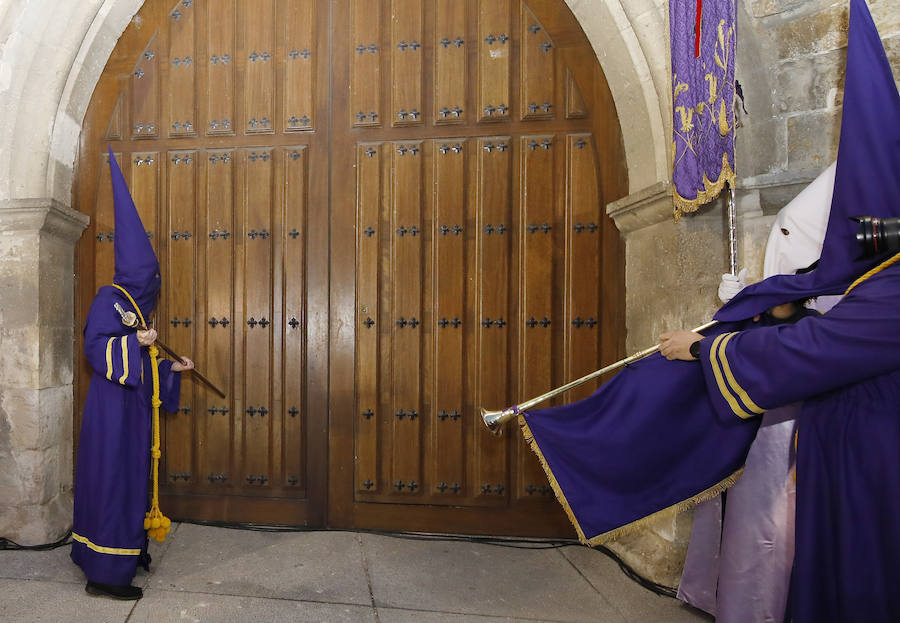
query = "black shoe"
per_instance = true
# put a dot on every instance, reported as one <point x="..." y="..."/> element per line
<point x="116" y="592"/>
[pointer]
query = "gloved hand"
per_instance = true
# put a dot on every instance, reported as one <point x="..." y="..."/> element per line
<point x="732" y="284"/>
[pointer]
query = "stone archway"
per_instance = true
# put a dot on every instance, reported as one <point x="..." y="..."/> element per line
<point x="50" y="60"/>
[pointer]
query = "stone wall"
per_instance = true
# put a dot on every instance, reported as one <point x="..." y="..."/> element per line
<point x="36" y="359"/>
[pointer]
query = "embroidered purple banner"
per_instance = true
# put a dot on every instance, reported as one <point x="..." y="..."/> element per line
<point x="703" y="35"/>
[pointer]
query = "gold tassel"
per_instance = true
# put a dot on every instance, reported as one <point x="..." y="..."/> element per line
<point x="156" y="524"/>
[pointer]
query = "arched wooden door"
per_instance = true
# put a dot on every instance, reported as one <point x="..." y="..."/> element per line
<point x="373" y="217"/>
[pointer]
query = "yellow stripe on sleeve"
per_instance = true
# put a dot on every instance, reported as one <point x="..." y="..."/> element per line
<point x="733" y="383"/>
<point x="109" y="368"/>
<point x="714" y="355"/>
<point x="124" y="360"/>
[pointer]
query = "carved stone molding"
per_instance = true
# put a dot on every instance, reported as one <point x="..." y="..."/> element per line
<point x="45" y="215"/>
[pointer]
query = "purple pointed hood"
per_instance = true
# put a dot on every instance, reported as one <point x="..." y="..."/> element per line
<point x="867" y="179"/>
<point x="137" y="269"/>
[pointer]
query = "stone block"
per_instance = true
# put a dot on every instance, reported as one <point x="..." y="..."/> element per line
<point x="761" y="146"/>
<point x="809" y="83"/>
<point x="765" y="8"/>
<point x="37" y="418"/>
<point x="19" y="356"/>
<point x="813" y="139"/>
<point x="55" y="356"/>
<point x="37" y="524"/>
<point x="813" y="32"/>
<point x="657" y="552"/>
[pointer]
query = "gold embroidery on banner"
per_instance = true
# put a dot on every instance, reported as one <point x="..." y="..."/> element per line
<point x="714" y="355"/>
<point x="118" y="551"/>
<point x="733" y="383"/>
<point x="124" y="360"/>
<point x="710" y="191"/>
<point x="109" y="368"/>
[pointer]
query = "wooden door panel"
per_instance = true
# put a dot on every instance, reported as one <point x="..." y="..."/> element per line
<point x="447" y="473"/>
<point x="365" y="40"/>
<point x="104" y="226"/>
<point x="219" y="60"/>
<point x="176" y="318"/>
<point x="538" y="80"/>
<point x="292" y="318"/>
<point x="257" y="55"/>
<point x="298" y="19"/>
<point x="145" y="94"/>
<point x="450" y="76"/>
<point x="215" y="415"/>
<point x="539" y="322"/>
<point x="583" y="320"/>
<point x="256" y="192"/>
<point x="406" y="322"/>
<point x="370" y="231"/>
<point x="494" y="53"/>
<point x="407" y="51"/>
<point x="182" y="66"/>
<point x="493" y="307"/>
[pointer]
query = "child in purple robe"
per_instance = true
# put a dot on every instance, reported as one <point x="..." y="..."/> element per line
<point x="113" y="467"/>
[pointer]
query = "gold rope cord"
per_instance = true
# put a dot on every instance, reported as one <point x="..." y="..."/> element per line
<point x="156" y="524"/>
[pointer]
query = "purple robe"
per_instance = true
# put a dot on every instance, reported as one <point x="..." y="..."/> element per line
<point x="845" y="366"/>
<point x="111" y="478"/>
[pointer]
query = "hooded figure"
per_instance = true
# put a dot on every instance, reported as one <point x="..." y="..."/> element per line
<point x="739" y="560"/>
<point x="844" y="365"/>
<point x="114" y="446"/>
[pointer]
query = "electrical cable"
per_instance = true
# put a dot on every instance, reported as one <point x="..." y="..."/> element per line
<point x="510" y="542"/>
<point x="7" y="544"/>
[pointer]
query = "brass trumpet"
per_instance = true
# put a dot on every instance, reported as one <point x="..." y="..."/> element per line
<point x="495" y="420"/>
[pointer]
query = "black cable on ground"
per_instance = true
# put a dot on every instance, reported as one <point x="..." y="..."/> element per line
<point x="7" y="544"/>
<point x="513" y="542"/>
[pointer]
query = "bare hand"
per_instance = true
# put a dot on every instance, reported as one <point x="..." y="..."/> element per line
<point x="185" y="365"/>
<point x="146" y="338"/>
<point x="677" y="344"/>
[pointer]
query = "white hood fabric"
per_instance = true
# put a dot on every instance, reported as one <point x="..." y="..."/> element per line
<point x="796" y="238"/>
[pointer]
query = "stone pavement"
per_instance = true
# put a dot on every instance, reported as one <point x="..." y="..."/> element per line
<point x="210" y="574"/>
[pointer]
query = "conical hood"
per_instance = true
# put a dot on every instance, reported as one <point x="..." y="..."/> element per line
<point x="867" y="179"/>
<point x="137" y="269"/>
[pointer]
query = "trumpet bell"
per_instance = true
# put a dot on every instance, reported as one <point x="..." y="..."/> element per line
<point x="495" y="420"/>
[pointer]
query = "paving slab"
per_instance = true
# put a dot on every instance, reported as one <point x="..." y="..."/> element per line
<point x="309" y="566"/>
<point x="52" y="565"/>
<point x="635" y="602"/>
<point x="392" y="615"/>
<point x="481" y="579"/>
<point x="159" y="606"/>
<point x="35" y="601"/>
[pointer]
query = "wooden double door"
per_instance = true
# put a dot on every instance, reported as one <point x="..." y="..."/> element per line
<point x="373" y="217"/>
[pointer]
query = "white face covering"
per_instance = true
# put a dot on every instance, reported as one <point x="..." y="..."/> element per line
<point x="796" y="238"/>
